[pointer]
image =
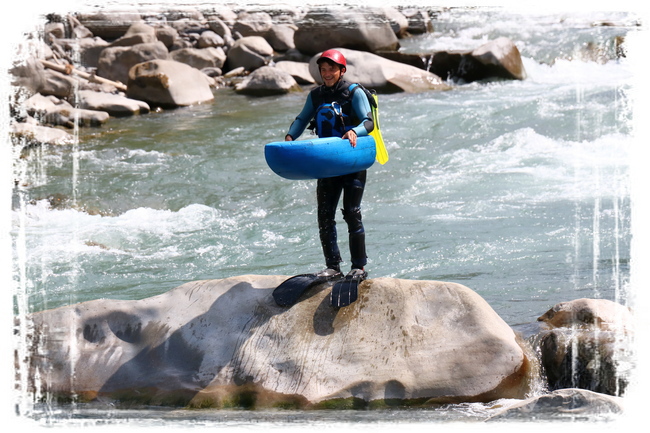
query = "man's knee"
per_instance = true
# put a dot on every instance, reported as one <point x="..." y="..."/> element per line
<point x="353" y="218"/>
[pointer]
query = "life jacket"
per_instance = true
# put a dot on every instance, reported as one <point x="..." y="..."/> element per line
<point x="334" y="114"/>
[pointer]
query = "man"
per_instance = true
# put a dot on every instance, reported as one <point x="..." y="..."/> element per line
<point x="337" y="111"/>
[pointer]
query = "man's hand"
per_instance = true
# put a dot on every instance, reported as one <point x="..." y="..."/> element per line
<point x="352" y="136"/>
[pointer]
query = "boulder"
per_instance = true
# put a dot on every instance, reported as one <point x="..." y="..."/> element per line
<point x="567" y="404"/>
<point x="115" y="62"/>
<point x="298" y="70"/>
<point x="250" y="52"/>
<point x="217" y="343"/>
<point x="588" y="313"/>
<point x="138" y="33"/>
<point x="218" y="26"/>
<point x="382" y="74"/>
<point x="113" y="104"/>
<point x="499" y="58"/>
<point x="280" y="37"/>
<point x="200" y="58"/>
<point x="266" y="81"/>
<point x="589" y="346"/>
<point x="365" y="29"/>
<point x="89" y="49"/>
<point x="167" y="83"/>
<point x="58" y="84"/>
<point x="108" y="25"/>
<point x="210" y="39"/>
<point x="418" y="20"/>
<point x="167" y="35"/>
<point x="28" y="134"/>
<point x="398" y="22"/>
<point x="53" y="111"/>
<point x="253" y="24"/>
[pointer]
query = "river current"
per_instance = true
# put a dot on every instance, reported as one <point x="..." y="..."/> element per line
<point x="519" y="190"/>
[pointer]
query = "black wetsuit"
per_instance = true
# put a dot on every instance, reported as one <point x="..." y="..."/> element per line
<point x="355" y="109"/>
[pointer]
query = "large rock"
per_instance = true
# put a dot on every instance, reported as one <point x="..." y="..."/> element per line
<point x="225" y="342"/>
<point x="138" y="33"/>
<point x="499" y="58"/>
<point x="167" y="83"/>
<point x="588" y="346"/>
<point x="115" y="105"/>
<point x="298" y="70"/>
<point x="382" y="74"/>
<point x="53" y="111"/>
<point x="280" y="37"/>
<point x="29" y="134"/>
<point x="249" y="52"/>
<point x="200" y="58"/>
<point x="266" y="81"/>
<point x="115" y="62"/>
<point x="565" y="404"/>
<point x="109" y="25"/>
<point x="365" y="29"/>
<point x="89" y="49"/>
<point x="253" y="24"/>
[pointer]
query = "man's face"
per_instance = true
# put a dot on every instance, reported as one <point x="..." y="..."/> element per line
<point x="330" y="73"/>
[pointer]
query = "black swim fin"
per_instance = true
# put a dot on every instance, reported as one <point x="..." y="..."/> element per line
<point x="288" y="293"/>
<point x="346" y="291"/>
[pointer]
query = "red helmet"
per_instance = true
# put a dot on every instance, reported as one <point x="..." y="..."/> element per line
<point x="334" y="56"/>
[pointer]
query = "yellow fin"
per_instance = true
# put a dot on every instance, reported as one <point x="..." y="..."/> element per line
<point x="382" y="153"/>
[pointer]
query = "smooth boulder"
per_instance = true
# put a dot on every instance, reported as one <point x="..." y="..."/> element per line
<point x="216" y="343"/>
<point x="267" y="81"/>
<point x="499" y="58"/>
<point x="167" y="83"/>
<point x="113" y="104"/>
<point x="588" y="346"/>
<point x="365" y="29"/>
<point x="250" y="52"/>
<point x="115" y="62"/>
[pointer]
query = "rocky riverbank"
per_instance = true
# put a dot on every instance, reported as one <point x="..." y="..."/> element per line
<point x="85" y="68"/>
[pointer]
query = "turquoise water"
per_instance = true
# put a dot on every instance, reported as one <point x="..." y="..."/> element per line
<point x="519" y="190"/>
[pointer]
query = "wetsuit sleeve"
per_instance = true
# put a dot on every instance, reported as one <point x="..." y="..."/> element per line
<point x="300" y="123"/>
<point x="361" y="107"/>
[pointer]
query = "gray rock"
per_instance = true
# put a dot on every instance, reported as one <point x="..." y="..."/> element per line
<point x="209" y="39"/>
<point x="167" y="35"/>
<point x="138" y="33"/>
<point x="115" y="62"/>
<point x="365" y="29"/>
<point x="267" y="81"/>
<point x="253" y="24"/>
<point x="207" y="343"/>
<point x="496" y="59"/>
<point x="419" y="20"/>
<point x="565" y="404"/>
<point x="115" y="105"/>
<point x="200" y="58"/>
<point x="108" y="25"/>
<point x="27" y="134"/>
<point x="167" y="83"/>
<point x="298" y="70"/>
<point x="250" y="52"/>
<point x="280" y="37"/>
<point x="588" y="347"/>
<point x="219" y="27"/>
<point x="53" y="111"/>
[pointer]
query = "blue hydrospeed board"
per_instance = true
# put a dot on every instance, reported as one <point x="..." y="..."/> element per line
<point x="319" y="158"/>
